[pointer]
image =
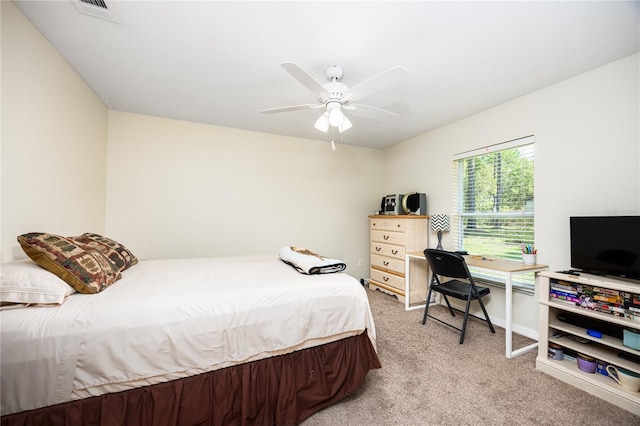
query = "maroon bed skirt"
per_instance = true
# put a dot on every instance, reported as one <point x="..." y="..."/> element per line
<point x="282" y="390"/>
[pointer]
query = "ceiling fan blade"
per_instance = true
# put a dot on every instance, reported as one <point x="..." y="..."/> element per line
<point x="369" y="111"/>
<point x="291" y="108"/>
<point x="378" y="82"/>
<point x="305" y="78"/>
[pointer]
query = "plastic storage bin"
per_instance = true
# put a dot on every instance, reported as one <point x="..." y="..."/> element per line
<point x="631" y="339"/>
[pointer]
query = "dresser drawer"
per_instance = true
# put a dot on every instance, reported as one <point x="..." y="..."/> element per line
<point x="389" y="279"/>
<point x="389" y="263"/>
<point x="388" y="237"/>
<point x="387" y="224"/>
<point x="388" y="250"/>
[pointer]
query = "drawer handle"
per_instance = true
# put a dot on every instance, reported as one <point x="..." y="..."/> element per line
<point x="385" y="263"/>
<point x="385" y="279"/>
<point x="386" y="237"/>
<point x="378" y="248"/>
<point x="394" y="251"/>
<point x="398" y="225"/>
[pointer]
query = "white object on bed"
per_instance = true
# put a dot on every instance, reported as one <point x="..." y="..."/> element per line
<point x="167" y="319"/>
<point x="308" y="262"/>
<point x="25" y="282"/>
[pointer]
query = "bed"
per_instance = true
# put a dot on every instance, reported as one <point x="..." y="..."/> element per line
<point x="219" y="341"/>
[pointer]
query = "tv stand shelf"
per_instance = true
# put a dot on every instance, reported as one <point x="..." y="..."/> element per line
<point x="605" y="349"/>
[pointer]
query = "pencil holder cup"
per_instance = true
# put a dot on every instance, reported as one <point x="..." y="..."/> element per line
<point x="529" y="259"/>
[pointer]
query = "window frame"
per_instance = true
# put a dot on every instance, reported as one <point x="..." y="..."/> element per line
<point x="523" y="283"/>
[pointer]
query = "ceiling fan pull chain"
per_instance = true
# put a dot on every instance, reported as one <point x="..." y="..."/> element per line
<point x="333" y="136"/>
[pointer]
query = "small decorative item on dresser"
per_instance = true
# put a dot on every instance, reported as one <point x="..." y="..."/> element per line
<point x="439" y="224"/>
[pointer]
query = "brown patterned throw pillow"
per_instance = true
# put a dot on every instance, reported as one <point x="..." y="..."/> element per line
<point x="82" y="267"/>
<point x="113" y="250"/>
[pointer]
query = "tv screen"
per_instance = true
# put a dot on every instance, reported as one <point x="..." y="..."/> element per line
<point x="606" y="245"/>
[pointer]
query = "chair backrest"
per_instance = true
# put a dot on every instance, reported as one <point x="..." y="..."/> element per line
<point x="447" y="264"/>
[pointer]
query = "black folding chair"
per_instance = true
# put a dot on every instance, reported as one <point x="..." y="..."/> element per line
<point x="446" y="264"/>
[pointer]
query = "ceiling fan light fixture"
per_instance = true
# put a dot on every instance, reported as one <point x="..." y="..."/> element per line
<point x="335" y="96"/>
<point x="345" y="125"/>
<point x="322" y="123"/>
<point x="336" y="117"/>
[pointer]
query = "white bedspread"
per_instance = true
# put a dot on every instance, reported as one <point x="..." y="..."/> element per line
<point x="167" y="319"/>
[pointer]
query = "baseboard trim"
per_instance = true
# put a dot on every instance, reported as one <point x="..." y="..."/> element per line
<point x="525" y="331"/>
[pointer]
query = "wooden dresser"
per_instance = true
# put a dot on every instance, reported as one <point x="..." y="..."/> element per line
<point x="391" y="237"/>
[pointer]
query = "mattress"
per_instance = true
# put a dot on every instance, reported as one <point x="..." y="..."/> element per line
<point x="169" y="319"/>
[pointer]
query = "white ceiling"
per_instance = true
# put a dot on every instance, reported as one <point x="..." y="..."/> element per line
<point x="219" y="62"/>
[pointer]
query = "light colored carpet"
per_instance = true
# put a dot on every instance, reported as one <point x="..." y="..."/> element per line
<point x="427" y="378"/>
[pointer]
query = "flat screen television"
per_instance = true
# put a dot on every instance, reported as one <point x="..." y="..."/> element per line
<point x="606" y="245"/>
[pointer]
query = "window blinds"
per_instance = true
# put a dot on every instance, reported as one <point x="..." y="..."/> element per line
<point x="493" y="202"/>
<point x="493" y="205"/>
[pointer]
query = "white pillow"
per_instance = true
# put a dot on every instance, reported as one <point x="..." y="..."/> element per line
<point x="26" y="282"/>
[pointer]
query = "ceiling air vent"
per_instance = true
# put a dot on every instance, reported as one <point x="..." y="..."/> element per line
<point x="97" y="8"/>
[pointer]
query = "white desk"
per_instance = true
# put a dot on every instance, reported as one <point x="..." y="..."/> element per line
<point x="508" y="268"/>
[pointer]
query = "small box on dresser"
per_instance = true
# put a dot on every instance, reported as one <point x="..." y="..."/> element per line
<point x="391" y="237"/>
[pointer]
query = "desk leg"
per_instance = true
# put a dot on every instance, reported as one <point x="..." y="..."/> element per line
<point x="407" y="283"/>
<point x="407" y="280"/>
<point x="508" y="318"/>
<point x="507" y="315"/>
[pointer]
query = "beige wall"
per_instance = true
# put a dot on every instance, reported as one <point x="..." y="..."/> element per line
<point x="174" y="188"/>
<point x="183" y="189"/>
<point x="587" y="159"/>
<point x="177" y="189"/>
<point x="53" y="140"/>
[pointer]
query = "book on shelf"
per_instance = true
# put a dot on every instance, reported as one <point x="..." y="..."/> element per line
<point x="632" y="308"/>
<point x="563" y="290"/>
<point x="632" y="298"/>
<point x="603" y="291"/>
<point x="597" y="299"/>
<point x="585" y="291"/>
<point x="613" y="306"/>
<point x="565" y="293"/>
<point x="632" y="316"/>
<point x="609" y="311"/>
<point x="568" y="302"/>
<point x="608" y="299"/>
<point x="563" y="285"/>
<point x="567" y="297"/>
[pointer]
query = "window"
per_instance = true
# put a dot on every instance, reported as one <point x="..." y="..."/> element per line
<point x="493" y="201"/>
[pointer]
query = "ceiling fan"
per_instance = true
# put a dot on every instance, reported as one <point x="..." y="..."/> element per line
<point x="337" y="98"/>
